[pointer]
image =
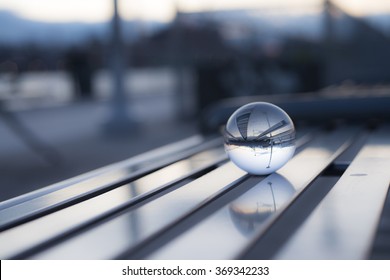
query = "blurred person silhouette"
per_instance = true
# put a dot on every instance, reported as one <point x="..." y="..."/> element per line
<point x="12" y="75"/>
<point x="79" y="65"/>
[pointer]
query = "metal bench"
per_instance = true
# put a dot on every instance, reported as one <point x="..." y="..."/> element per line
<point x="188" y="201"/>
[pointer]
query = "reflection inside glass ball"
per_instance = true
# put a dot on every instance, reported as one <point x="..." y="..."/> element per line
<point x="259" y="138"/>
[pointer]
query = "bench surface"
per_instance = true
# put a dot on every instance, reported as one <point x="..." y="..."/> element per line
<point x="188" y="201"/>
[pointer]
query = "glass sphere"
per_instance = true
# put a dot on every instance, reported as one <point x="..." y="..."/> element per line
<point x="259" y="138"/>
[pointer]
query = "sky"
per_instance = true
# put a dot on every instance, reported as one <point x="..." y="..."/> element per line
<point x="164" y="10"/>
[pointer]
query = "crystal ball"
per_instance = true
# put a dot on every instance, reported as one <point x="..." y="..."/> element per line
<point x="259" y="138"/>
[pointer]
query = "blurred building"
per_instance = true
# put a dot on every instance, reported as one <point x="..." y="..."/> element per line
<point x="355" y="50"/>
<point x="245" y="54"/>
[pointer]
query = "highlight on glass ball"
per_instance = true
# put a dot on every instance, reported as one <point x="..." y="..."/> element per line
<point x="259" y="138"/>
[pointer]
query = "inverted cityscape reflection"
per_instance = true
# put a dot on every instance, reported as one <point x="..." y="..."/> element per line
<point x="251" y="210"/>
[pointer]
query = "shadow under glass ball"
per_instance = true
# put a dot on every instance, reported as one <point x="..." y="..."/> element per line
<point x="259" y="138"/>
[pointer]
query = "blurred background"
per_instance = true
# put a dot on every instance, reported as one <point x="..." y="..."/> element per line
<point x="87" y="83"/>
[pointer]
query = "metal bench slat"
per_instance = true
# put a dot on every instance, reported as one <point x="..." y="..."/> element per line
<point x="130" y="164"/>
<point x="228" y="231"/>
<point x="49" y="202"/>
<point x="343" y="225"/>
<point x="132" y="227"/>
<point x="31" y="234"/>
